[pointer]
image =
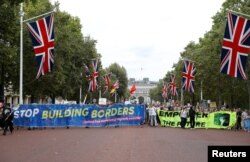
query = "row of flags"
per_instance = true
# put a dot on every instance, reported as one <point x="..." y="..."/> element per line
<point x="92" y="77"/>
<point x="42" y="36"/>
<point x="188" y="78"/>
<point x="234" y="54"/>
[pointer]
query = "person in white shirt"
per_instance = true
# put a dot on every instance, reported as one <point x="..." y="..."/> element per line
<point x="184" y="115"/>
<point x="152" y="112"/>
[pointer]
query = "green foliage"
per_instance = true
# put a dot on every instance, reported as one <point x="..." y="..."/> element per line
<point x="72" y="50"/>
<point x="8" y="44"/>
<point x="119" y="73"/>
<point x="206" y="56"/>
<point x="156" y="93"/>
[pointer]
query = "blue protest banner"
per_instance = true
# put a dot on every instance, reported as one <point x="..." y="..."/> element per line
<point x="52" y="115"/>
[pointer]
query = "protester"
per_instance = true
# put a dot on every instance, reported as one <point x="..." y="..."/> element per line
<point x="238" y="115"/>
<point x="1" y="114"/>
<point x="192" y="117"/>
<point x="7" y="117"/>
<point x="184" y="115"/>
<point x="152" y="112"/>
<point x="149" y="114"/>
<point x="243" y="117"/>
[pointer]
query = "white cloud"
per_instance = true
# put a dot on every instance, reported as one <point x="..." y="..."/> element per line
<point x="147" y="34"/>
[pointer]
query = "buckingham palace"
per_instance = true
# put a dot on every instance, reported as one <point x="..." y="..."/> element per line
<point x="142" y="89"/>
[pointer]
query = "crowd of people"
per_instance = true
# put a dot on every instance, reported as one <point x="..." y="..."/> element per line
<point x="151" y="117"/>
<point x="153" y="120"/>
<point x="189" y="111"/>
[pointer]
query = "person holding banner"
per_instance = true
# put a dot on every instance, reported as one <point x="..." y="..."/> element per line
<point x="238" y="122"/>
<point x="183" y="115"/>
<point x="152" y="113"/>
<point x="191" y="114"/>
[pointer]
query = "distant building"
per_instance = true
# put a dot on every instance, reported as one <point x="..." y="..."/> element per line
<point x="142" y="89"/>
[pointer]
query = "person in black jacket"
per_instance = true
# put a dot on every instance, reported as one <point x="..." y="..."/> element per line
<point x="7" y="119"/>
<point x="1" y="114"/>
<point x="192" y="117"/>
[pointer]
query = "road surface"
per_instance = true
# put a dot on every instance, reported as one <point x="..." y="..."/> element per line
<point x="122" y="144"/>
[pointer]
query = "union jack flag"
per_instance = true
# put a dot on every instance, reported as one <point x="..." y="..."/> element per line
<point x="236" y="45"/>
<point x="42" y="35"/>
<point x="93" y="77"/>
<point x="164" y="91"/>
<point x="188" y="74"/>
<point x="172" y="86"/>
<point x="107" y="81"/>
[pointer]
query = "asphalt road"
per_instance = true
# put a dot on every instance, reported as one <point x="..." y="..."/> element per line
<point x="122" y="144"/>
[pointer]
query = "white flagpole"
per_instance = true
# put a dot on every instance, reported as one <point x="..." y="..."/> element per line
<point x="239" y="13"/>
<point x="47" y="13"/>
<point x="182" y="102"/>
<point x="115" y="96"/>
<point x="21" y="55"/>
<point x="85" y="99"/>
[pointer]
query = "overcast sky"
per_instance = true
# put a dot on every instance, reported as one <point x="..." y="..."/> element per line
<point x="144" y="36"/>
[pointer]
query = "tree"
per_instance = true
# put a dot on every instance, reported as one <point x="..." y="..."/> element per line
<point x="156" y="93"/>
<point x="8" y="45"/>
<point x="72" y="50"/>
<point x="120" y="74"/>
<point x="206" y="56"/>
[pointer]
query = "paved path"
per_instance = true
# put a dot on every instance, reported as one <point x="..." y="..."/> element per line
<point x="123" y="144"/>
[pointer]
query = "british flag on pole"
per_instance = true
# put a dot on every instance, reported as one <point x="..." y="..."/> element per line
<point x="236" y="45"/>
<point x="188" y="76"/>
<point x="172" y="86"/>
<point x="42" y="35"/>
<point x="164" y="91"/>
<point x="107" y="81"/>
<point x="93" y="78"/>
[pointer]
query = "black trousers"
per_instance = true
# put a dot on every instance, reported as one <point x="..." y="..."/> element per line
<point x="8" y="124"/>
<point x="183" y="122"/>
<point x="192" y="122"/>
<point x="238" y="123"/>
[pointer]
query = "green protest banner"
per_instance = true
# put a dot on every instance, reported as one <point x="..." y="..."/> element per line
<point x="221" y="119"/>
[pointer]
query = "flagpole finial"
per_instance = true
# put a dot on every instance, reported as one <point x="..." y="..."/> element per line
<point x="21" y="12"/>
